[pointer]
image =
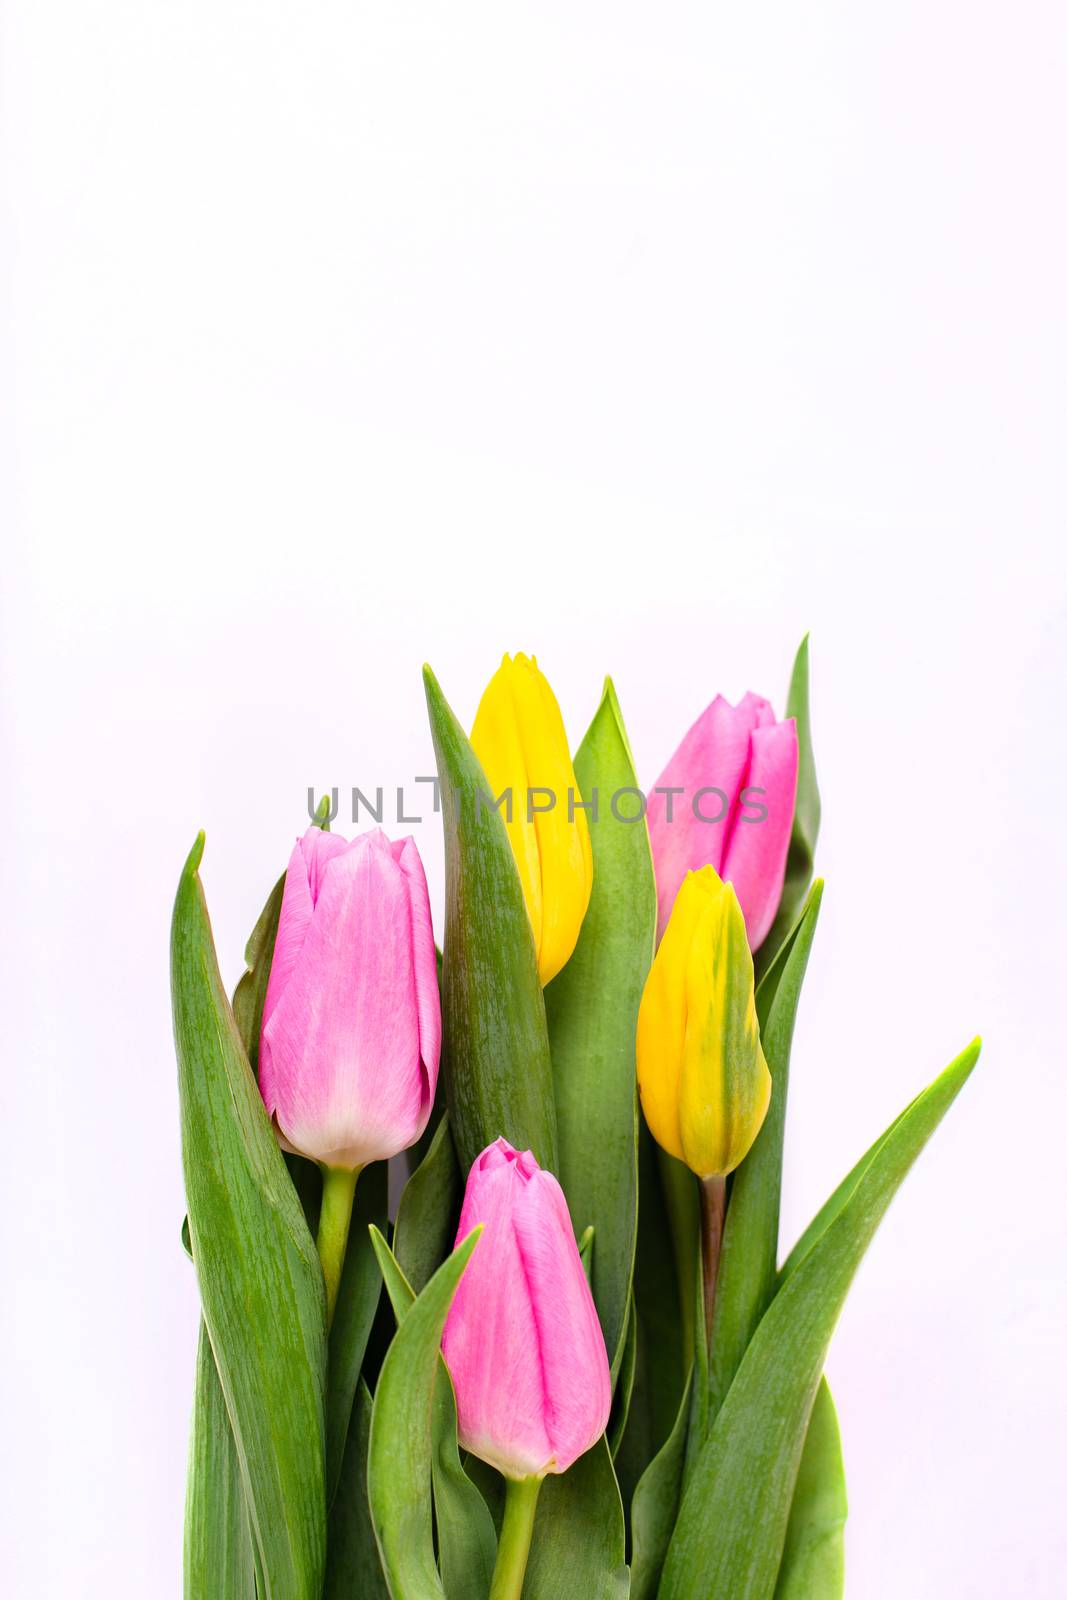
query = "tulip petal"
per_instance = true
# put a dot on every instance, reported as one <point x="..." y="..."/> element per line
<point x="347" y="1014"/>
<point x="757" y="850"/>
<point x="661" y="1020"/>
<point x="577" y="1382"/>
<point x="725" y="1085"/>
<point x="490" y="1338"/>
<point x="424" y="962"/>
<point x="495" y="741"/>
<point x="561" y="829"/>
<point x="714" y="755"/>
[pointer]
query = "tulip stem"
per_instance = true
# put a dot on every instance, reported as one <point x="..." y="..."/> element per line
<point x="712" y="1218"/>
<point x="515" y="1535"/>
<point x="335" y="1216"/>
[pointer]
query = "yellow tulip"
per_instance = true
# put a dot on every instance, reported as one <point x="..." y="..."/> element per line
<point x="701" y="1072"/>
<point x="519" y="738"/>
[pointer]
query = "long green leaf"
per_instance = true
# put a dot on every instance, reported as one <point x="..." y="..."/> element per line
<point x="429" y="1210"/>
<point x="218" y="1560"/>
<point x="592" y="1024"/>
<point x="401" y="1438"/>
<point x="579" y="1537"/>
<point x="800" y="862"/>
<point x="664" y="1328"/>
<point x="750" y="1242"/>
<point x="836" y="1202"/>
<point x="735" y="1508"/>
<point x="260" y="1280"/>
<point x="353" y="1566"/>
<point x="495" y="1058"/>
<point x="655" y="1508"/>
<point x="218" y="1546"/>
<point x="466" y="1537"/>
<point x="357" y="1303"/>
<point x="813" y="1560"/>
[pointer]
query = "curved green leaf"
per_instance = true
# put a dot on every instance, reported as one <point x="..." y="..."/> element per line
<point x="428" y="1214"/>
<point x="251" y="990"/>
<point x="813" y="1560"/>
<point x="218" y="1547"/>
<point x="592" y="1024"/>
<point x="836" y="1201"/>
<point x="735" y="1508"/>
<point x="401" y="1449"/>
<point x="353" y="1566"/>
<point x="800" y="862"/>
<point x="579" y="1537"/>
<point x="260" y="1281"/>
<point x="495" y="1059"/>
<point x="353" y="1318"/>
<point x="466" y="1537"/>
<point x="655" y="1507"/>
<point x="750" y="1241"/>
<point x="624" y="1388"/>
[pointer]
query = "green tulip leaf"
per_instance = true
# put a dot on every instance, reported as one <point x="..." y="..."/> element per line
<point x="750" y="1241"/>
<point x="353" y="1566"/>
<point x="260" y="1281"/>
<point x="428" y="1214"/>
<point x="655" y="1507"/>
<point x="837" y="1201"/>
<point x="466" y="1537"/>
<point x="353" y="1318"/>
<point x="800" y="861"/>
<point x="664" y="1330"/>
<point x="579" y="1536"/>
<point x="251" y="990"/>
<point x="736" y="1503"/>
<point x="406" y="1451"/>
<point x="624" y="1388"/>
<point x="813" y="1560"/>
<point x="218" y="1546"/>
<point x="495" y="1057"/>
<point x="592" y="1023"/>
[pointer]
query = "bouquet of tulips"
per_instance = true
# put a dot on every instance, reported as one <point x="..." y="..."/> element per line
<point x="558" y="1355"/>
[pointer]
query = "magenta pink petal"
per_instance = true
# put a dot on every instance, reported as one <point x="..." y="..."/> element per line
<point x="756" y="854"/>
<point x="713" y="756"/>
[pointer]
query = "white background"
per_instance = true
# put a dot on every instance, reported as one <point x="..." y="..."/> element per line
<point x="343" y="336"/>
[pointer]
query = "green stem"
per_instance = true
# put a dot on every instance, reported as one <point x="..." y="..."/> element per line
<point x="712" y="1221"/>
<point x="335" y="1215"/>
<point x="680" y="1198"/>
<point x="515" y="1536"/>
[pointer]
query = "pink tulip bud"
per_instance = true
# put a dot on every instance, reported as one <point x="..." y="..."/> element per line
<point x="734" y="778"/>
<point x="522" y="1340"/>
<point x="352" y="1019"/>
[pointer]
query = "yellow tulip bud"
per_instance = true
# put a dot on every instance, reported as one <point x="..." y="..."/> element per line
<point x="701" y="1072"/>
<point x="519" y="738"/>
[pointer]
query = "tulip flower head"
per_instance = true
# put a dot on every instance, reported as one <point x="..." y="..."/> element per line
<point x="701" y="1072"/>
<point x="519" y="738"/>
<point x="522" y="1341"/>
<point x="351" y="1035"/>
<point x="734" y="783"/>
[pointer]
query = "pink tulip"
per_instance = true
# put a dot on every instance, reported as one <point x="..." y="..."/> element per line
<point x="522" y="1340"/>
<point x="352" y="1021"/>
<point x="736" y="770"/>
